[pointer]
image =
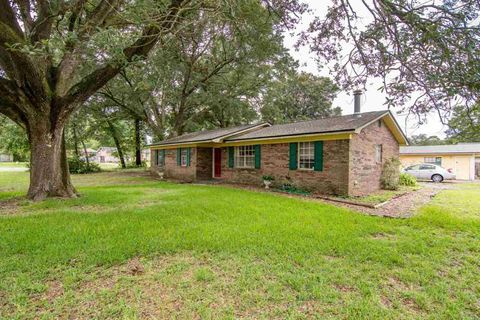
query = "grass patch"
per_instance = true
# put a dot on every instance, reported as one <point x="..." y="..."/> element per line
<point x="132" y="247"/>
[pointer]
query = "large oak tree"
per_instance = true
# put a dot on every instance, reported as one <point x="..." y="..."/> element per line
<point x="55" y="54"/>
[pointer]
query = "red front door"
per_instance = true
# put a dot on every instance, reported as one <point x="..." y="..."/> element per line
<point x="217" y="162"/>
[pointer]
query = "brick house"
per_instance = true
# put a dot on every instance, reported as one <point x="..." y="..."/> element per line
<point x="339" y="155"/>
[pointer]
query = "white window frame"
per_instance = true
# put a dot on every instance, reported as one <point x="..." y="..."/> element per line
<point x="244" y="157"/>
<point x="439" y="163"/>
<point x="378" y="153"/>
<point x="183" y="157"/>
<point x="306" y="149"/>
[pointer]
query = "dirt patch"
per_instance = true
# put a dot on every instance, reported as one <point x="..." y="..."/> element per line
<point x="386" y="301"/>
<point x="135" y="267"/>
<point x="155" y="289"/>
<point x="412" y="305"/>
<point x="11" y="206"/>
<point x="54" y="290"/>
<point x="382" y="236"/>
<point x="399" y="285"/>
<point x="331" y="257"/>
<point x="90" y="208"/>
<point x="344" y="288"/>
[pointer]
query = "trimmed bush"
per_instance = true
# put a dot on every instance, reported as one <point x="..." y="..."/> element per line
<point x="77" y="165"/>
<point x="407" y="180"/>
<point x="390" y="174"/>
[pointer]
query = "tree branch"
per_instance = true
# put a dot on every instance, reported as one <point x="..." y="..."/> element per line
<point x="140" y="48"/>
<point x="7" y="17"/>
<point x="9" y="102"/>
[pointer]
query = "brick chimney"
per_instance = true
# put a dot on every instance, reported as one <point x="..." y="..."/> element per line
<point x="357" y="95"/>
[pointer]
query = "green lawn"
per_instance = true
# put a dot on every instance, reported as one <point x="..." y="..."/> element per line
<point x="132" y="247"/>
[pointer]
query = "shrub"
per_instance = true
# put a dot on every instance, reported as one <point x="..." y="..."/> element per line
<point x="290" y="188"/>
<point x="267" y="178"/>
<point x="407" y="180"/>
<point x="390" y="174"/>
<point x="78" y="165"/>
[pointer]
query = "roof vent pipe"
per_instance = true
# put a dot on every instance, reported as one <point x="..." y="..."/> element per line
<point x="357" y="94"/>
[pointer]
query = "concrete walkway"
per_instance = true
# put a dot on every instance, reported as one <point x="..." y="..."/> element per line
<point x="404" y="206"/>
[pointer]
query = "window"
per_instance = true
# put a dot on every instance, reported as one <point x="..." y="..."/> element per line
<point x="433" y="160"/>
<point x="183" y="157"/>
<point x="379" y="123"/>
<point x="306" y="155"/>
<point x="427" y="167"/>
<point x="414" y="167"/>
<point x="244" y="157"/>
<point x="160" y="157"/>
<point x="378" y="153"/>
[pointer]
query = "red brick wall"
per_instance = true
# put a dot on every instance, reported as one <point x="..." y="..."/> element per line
<point x="174" y="171"/>
<point x="275" y="162"/>
<point x="364" y="171"/>
<point x="349" y="165"/>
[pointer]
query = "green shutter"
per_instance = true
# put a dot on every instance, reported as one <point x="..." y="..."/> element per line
<point x="155" y="157"/>
<point x="231" y="152"/>
<point x="293" y="156"/>
<point x="257" y="156"/>
<point x="188" y="157"/>
<point x="318" y="166"/>
<point x="179" y="156"/>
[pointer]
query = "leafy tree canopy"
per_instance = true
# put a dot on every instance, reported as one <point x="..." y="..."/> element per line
<point x="427" y="51"/>
<point x="464" y="125"/>
<point x="54" y="55"/>
<point x="13" y="140"/>
<point x="297" y="96"/>
<point x="426" y="140"/>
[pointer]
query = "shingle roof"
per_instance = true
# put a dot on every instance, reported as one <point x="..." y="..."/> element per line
<point x="206" y="135"/>
<point x="326" y="125"/>
<point x="450" y="148"/>
<point x="348" y="123"/>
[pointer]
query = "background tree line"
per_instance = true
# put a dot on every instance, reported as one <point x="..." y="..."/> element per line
<point x="173" y="66"/>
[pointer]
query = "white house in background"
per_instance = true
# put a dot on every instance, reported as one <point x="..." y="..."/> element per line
<point x="462" y="158"/>
<point x="146" y="155"/>
<point x="6" y="157"/>
<point x="106" y="155"/>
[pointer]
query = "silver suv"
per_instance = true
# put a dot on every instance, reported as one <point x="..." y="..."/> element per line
<point x="429" y="171"/>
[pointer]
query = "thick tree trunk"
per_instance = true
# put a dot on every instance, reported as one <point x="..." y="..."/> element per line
<point x="120" y="151"/>
<point x="113" y="132"/>
<point x="75" y="139"/>
<point x="49" y="175"/>
<point x="86" y="155"/>
<point x="138" y="144"/>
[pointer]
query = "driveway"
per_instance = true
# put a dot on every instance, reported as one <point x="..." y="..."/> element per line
<point x="13" y="169"/>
